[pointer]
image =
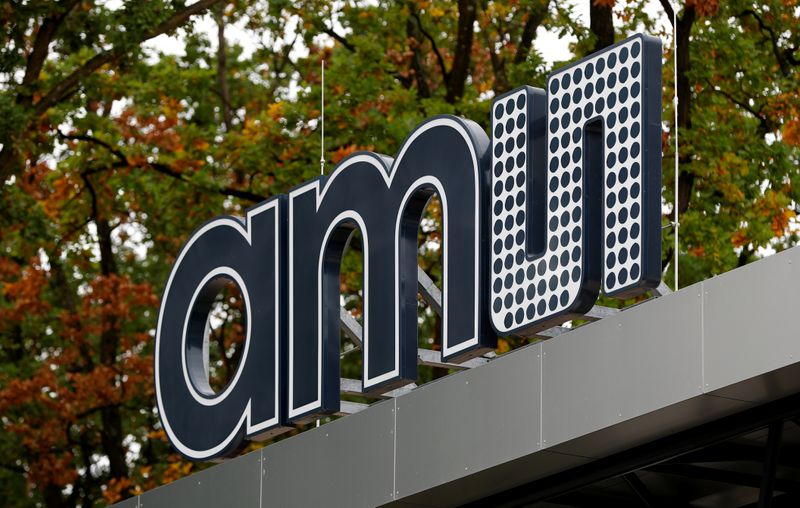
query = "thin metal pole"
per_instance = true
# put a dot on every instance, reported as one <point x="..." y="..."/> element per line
<point x="676" y="223"/>
<point x="322" y="135"/>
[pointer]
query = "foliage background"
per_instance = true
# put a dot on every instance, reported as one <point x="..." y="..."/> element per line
<point x="113" y="151"/>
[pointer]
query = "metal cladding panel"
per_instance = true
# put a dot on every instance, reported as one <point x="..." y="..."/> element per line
<point x="132" y="502"/>
<point x="498" y="478"/>
<point x="235" y="483"/>
<point x="622" y="367"/>
<point x="751" y="327"/>
<point x="468" y="422"/>
<point x="676" y="362"/>
<point x="347" y="462"/>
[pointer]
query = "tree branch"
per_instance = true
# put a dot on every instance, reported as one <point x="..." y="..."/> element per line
<point x="225" y="191"/>
<point x="534" y="21"/>
<point x="13" y="468"/>
<point x="498" y="66"/>
<point x="41" y="45"/>
<point x="439" y="57"/>
<point x="780" y="56"/>
<point x="96" y="141"/>
<point x="667" y="5"/>
<point x="225" y="100"/>
<point x="59" y="91"/>
<point x="164" y="169"/>
<point x="63" y="89"/>
<point x="93" y="195"/>
<point x="766" y="125"/>
<point x="340" y="38"/>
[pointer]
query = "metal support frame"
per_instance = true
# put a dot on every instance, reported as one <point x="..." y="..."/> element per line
<point x="350" y="327"/>
<point x="645" y="455"/>
<point x="788" y="499"/>
<point x="640" y="489"/>
<point x="727" y="476"/>
<point x="430" y="293"/>
<point x="740" y="452"/>
<point x="433" y="297"/>
<point x="768" y="480"/>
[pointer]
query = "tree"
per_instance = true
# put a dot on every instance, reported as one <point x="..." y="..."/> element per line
<point x="112" y="153"/>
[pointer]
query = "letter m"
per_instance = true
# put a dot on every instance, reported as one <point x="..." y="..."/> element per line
<point x="385" y="199"/>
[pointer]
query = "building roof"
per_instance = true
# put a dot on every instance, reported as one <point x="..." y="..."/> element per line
<point x="718" y="354"/>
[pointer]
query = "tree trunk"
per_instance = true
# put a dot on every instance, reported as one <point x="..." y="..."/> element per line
<point x="222" y="67"/>
<point x="683" y="62"/>
<point x="684" y="30"/>
<point x="112" y="435"/>
<point x="501" y="84"/>
<point x="420" y="76"/>
<point x="601" y="23"/>
<point x="467" y="11"/>
<point x="535" y="19"/>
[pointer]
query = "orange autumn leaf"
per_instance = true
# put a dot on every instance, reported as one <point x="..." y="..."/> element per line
<point x="115" y="489"/>
<point x="275" y="110"/>
<point x="343" y="152"/>
<point x="698" y="251"/>
<point x="780" y="222"/>
<point x="791" y="132"/>
<point x="704" y="7"/>
<point x="739" y="238"/>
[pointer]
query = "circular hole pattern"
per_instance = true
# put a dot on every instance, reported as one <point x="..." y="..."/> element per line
<point x="607" y="87"/>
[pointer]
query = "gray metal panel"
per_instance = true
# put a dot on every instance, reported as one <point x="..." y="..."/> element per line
<point x="235" y="483"/>
<point x="751" y="323"/>
<point x="621" y="367"/>
<point x="347" y="462"/>
<point x="495" y="479"/>
<point x="650" y="426"/>
<point x="132" y="502"/>
<point x="475" y="420"/>
<point x="763" y="388"/>
<point x="679" y="361"/>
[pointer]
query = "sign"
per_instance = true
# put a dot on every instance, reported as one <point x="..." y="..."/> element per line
<point x="565" y="198"/>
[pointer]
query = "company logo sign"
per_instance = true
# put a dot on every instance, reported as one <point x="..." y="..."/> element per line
<point x="563" y="200"/>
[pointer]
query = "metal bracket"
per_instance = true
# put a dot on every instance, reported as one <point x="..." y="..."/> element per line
<point x="599" y="312"/>
<point x="349" y="386"/>
<point x="662" y="289"/>
<point x="552" y="332"/>
<point x="430" y="292"/>
<point x="350" y="327"/>
<point x="433" y="296"/>
<point x="434" y="359"/>
<point x="347" y="408"/>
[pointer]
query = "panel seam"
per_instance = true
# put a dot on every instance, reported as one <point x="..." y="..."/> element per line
<point x="261" y="479"/>
<point x="703" y="384"/>
<point x="394" y="451"/>
<point x="541" y="397"/>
